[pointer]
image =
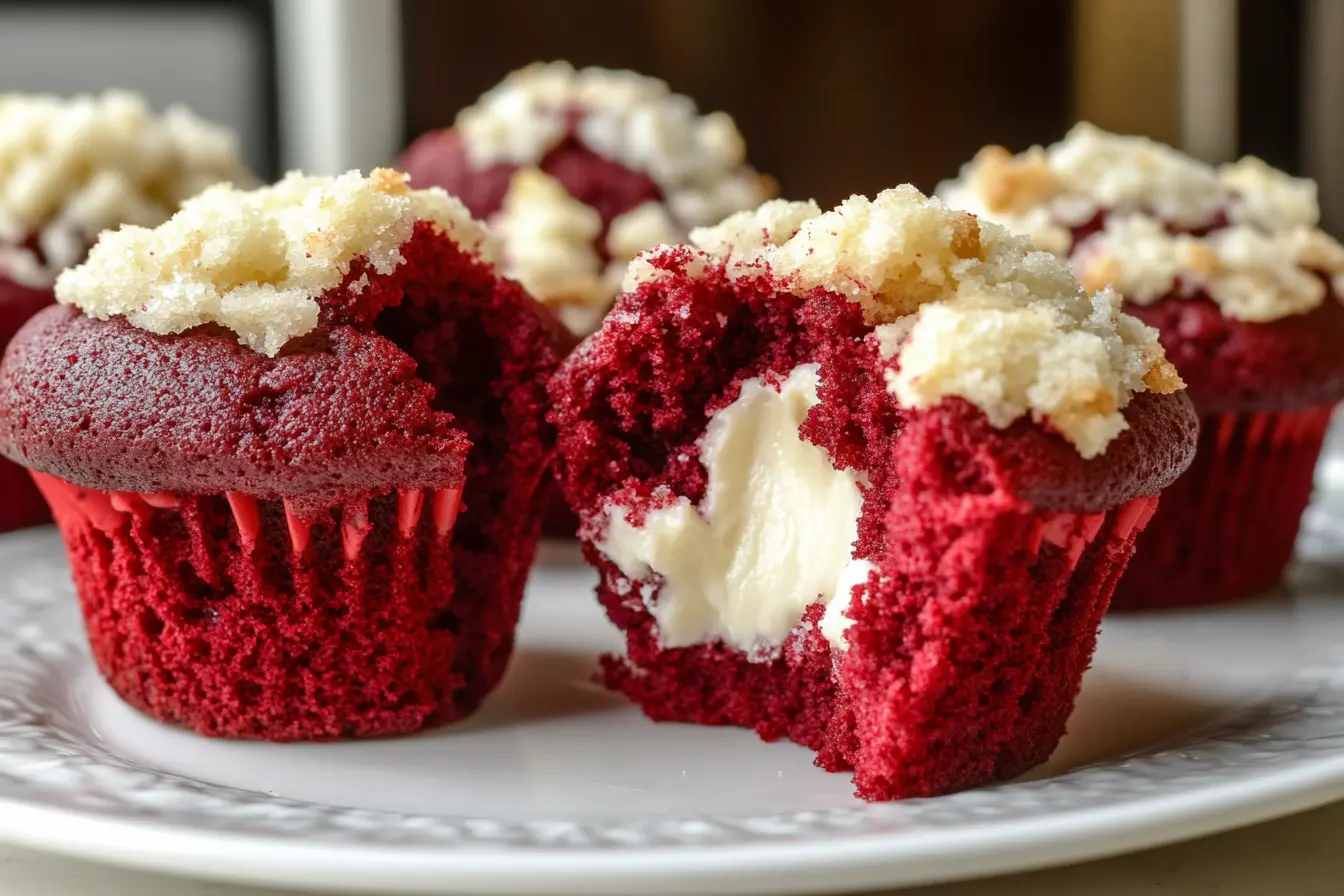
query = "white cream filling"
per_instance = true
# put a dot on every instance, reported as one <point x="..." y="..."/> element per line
<point x="835" y="621"/>
<point x="774" y="534"/>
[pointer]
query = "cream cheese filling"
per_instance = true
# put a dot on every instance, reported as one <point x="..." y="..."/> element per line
<point x="774" y="534"/>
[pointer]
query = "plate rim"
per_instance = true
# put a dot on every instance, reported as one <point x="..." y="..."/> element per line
<point x="840" y="865"/>
<point x="839" y="862"/>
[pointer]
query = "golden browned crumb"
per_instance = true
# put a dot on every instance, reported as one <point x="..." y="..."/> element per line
<point x="1012" y="185"/>
<point x="1162" y="378"/>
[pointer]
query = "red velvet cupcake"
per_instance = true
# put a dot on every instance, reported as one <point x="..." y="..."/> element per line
<point x="1230" y="267"/>
<point x="292" y="438"/>
<point x="579" y="171"/>
<point x="865" y="480"/>
<point x="70" y="168"/>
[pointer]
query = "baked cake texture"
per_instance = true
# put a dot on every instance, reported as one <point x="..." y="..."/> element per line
<point x="1231" y="267"/>
<point x="865" y="480"/>
<point x="293" y="439"/>
<point x="580" y="170"/>
<point x="70" y="168"/>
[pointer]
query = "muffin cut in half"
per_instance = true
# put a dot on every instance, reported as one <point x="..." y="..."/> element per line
<point x="580" y="170"/>
<point x="70" y="168"/>
<point x="865" y="479"/>
<point x="292" y="438"/>
<point x="1245" y="290"/>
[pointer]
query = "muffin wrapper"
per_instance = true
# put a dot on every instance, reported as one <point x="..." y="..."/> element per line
<point x="249" y="618"/>
<point x="1227" y="527"/>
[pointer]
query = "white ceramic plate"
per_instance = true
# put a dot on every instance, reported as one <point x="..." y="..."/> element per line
<point x="1188" y="723"/>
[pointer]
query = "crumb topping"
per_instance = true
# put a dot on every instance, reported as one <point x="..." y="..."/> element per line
<point x="964" y="308"/>
<point x="1073" y="362"/>
<point x="256" y="261"/>
<point x="1253" y="275"/>
<point x="547" y="238"/>
<point x="548" y="241"/>
<point x="697" y="161"/>
<point x="1266" y="262"/>
<point x="70" y="168"/>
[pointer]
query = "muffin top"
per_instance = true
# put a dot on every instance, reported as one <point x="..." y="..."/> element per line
<point x="70" y="168"/>
<point x="550" y="142"/>
<point x="733" y="436"/>
<point x="1156" y="224"/>
<point x="961" y="308"/>
<point x="314" y="340"/>
<point x="264" y="263"/>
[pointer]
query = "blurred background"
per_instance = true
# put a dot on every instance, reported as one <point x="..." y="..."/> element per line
<point x="834" y="97"/>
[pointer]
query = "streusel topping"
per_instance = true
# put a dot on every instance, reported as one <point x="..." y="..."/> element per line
<point x="548" y="241"/>
<point x="70" y="168"/>
<point x="256" y="261"/>
<point x="963" y="307"/>
<point x="1255" y="249"/>
<point x="698" y="161"/>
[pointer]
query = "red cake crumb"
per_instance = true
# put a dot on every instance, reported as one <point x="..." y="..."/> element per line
<point x="996" y="550"/>
<point x="438" y="158"/>
<point x="328" y="542"/>
<point x="579" y="169"/>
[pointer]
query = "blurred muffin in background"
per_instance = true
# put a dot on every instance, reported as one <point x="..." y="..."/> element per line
<point x="1230" y="266"/>
<point x="70" y="168"/>
<point x="580" y="170"/>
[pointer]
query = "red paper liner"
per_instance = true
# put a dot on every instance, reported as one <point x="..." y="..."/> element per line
<point x="947" y="683"/>
<point x="246" y="618"/>
<point x="1227" y="527"/>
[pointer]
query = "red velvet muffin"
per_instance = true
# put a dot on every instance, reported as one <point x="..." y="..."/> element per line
<point x="70" y="168"/>
<point x="1230" y="267"/>
<point x="865" y="480"/>
<point x="292" y="438"/>
<point x="579" y="171"/>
